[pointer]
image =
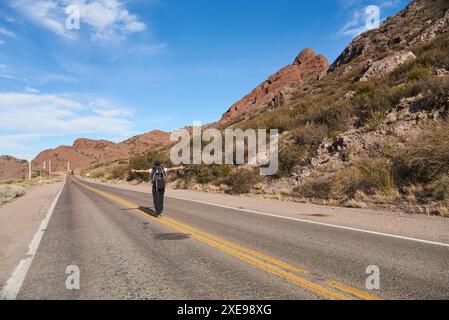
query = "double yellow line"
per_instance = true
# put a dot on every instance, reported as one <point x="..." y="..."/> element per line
<point x="328" y="289"/>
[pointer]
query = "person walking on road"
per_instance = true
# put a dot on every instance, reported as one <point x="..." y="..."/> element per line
<point x="158" y="178"/>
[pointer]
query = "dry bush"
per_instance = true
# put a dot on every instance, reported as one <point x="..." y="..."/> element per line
<point x="242" y="181"/>
<point x="289" y="157"/>
<point x="314" y="188"/>
<point x="370" y="176"/>
<point x="310" y="135"/>
<point x="427" y="158"/>
<point x="10" y="192"/>
<point x="207" y="174"/>
<point x="119" y="172"/>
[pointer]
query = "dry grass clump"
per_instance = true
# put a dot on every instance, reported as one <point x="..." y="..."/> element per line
<point x="371" y="176"/>
<point x="427" y="158"/>
<point x="10" y="192"/>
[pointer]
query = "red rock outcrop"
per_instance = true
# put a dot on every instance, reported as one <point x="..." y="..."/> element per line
<point x="275" y="90"/>
<point x="85" y="152"/>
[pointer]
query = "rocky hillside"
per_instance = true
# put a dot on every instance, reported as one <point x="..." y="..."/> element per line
<point x="278" y="88"/>
<point x="12" y="168"/>
<point x="85" y="152"/>
<point x="372" y="131"/>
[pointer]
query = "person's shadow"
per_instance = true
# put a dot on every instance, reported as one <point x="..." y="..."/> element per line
<point x="149" y="211"/>
<point x="162" y="236"/>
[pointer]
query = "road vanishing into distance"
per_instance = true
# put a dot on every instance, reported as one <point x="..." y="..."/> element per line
<point x="202" y="251"/>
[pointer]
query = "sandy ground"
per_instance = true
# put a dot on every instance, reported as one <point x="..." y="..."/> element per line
<point x="408" y="225"/>
<point x="19" y="221"/>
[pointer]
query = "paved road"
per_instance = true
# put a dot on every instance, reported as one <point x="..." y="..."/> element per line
<point x="200" y="251"/>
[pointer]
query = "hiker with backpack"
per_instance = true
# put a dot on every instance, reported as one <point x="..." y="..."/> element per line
<point x="158" y="178"/>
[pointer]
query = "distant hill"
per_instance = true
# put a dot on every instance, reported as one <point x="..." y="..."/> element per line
<point x="12" y="168"/>
<point x="85" y="152"/>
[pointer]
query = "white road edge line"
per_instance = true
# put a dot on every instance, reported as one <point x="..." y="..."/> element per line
<point x="14" y="283"/>
<point x="441" y="244"/>
<point x="318" y="223"/>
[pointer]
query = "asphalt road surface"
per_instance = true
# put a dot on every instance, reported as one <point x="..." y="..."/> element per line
<point x="200" y="251"/>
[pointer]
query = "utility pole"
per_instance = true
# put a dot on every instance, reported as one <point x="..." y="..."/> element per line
<point x="49" y="166"/>
<point x="29" y="170"/>
<point x="68" y="166"/>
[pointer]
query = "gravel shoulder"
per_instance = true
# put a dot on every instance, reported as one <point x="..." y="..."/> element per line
<point x="430" y="228"/>
<point x="19" y="221"/>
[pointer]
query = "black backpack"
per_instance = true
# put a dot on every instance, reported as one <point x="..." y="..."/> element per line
<point x="159" y="178"/>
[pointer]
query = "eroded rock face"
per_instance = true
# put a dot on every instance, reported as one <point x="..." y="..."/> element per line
<point x="276" y="90"/>
<point x="387" y="65"/>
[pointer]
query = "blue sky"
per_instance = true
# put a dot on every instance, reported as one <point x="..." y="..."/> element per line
<point x="138" y="65"/>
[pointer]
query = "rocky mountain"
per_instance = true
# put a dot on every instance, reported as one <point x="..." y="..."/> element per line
<point x="12" y="168"/>
<point x="278" y="88"/>
<point x="85" y="152"/>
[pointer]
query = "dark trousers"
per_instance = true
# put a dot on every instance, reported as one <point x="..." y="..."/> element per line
<point x="158" y="200"/>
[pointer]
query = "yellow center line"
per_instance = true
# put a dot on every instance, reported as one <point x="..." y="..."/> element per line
<point x="353" y="291"/>
<point x="241" y="248"/>
<point x="250" y="256"/>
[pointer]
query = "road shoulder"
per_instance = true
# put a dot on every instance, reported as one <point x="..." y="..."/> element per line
<point x="429" y="228"/>
<point x="19" y="221"/>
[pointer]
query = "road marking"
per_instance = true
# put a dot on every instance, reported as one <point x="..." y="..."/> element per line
<point x="240" y="248"/>
<point x="304" y="283"/>
<point x="441" y="244"/>
<point x="260" y="260"/>
<point x="14" y="283"/>
<point x="329" y="225"/>
<point x="355" y="292"/>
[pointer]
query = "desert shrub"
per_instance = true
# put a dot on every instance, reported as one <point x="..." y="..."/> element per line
<point x="369" y="176"/>
<point x="119" y="172"/>
<point x="10" y="192"/>
<point x="427" y="158"/>
<point x="241" y="181"/>
<point x="440" y="188"/>
<point x="418" y="72"/>
<point x="335" y="116"/>
<point x="280" y="119"/>
<point x="375" y="119"/>
<point x="314" y="188"/>
<point x="207" y="174"/>
<point x="434" y="54"/>
<point x="310" y="135"/>
<point x="289" y="157"/>
<point x="97" y="174"/>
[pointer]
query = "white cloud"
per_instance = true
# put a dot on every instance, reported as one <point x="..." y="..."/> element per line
<point x="47" y="13"/>
<point x="10" y="77"/>
<point x="7" y="33"/>
<point x="33" y="114"/>
<point x="106" y="19"/>
<point x="31" y="90"/>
